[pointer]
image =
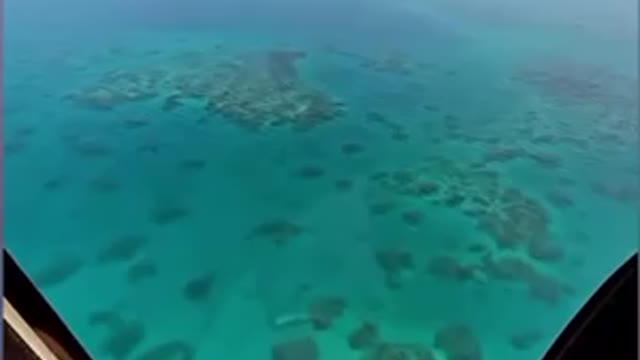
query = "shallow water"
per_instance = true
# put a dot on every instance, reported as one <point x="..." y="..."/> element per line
<point x="219" y="183"/>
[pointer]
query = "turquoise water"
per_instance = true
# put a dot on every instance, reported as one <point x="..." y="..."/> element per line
<point x="319" y="181"/>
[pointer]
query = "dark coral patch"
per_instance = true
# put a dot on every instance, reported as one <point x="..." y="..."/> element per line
<point x="524" y="340"/>
<point x="412" y="217"/>
<point x="309" y="172"/>
<point x="168" y="214"/>
<point x="459" y="342"/>
<point x="325" y="310"/>
<point x="123" y="340"/>
<point x="545" y="250"/>
<point x="193" y="164"/>
<point x="141" y="271"/>
<point x="304" y="348"/>
<point x="352" y="148"/>
<point x="199" y="288"/>
<point x="381" y="207"/>
<point x="364" y="336"/>
<point x="122" y="249"/>
<point x="449" y="267"/>
<point x="560" y="199"/>
<point x="104" y="184"/>
<point x="58" y="271"/>
<point x="343" y="185"/>
<point x="400" y="351"/>
<point x="400" y="136"/>
<point x="278" y="231"/>
<point x="170" y="350"/>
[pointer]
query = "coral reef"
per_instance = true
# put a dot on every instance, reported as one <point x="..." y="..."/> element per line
<point x="304" y="348"/>
<point x="255" y="90"/>
<point x="459" y="342"/>
<point x="542" y="286"/>
<point x="263" y="89"/>
<point x="118" y="87"/>
<point x="512" y="218"/>
<point x="122" y="249"/>
<point x="583" y="86"/>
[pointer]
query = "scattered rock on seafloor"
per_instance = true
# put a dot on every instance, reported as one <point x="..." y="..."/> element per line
<point x="304" y="348"/>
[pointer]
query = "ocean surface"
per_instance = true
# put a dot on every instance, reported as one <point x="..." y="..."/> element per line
<point x="361" y="180"/>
